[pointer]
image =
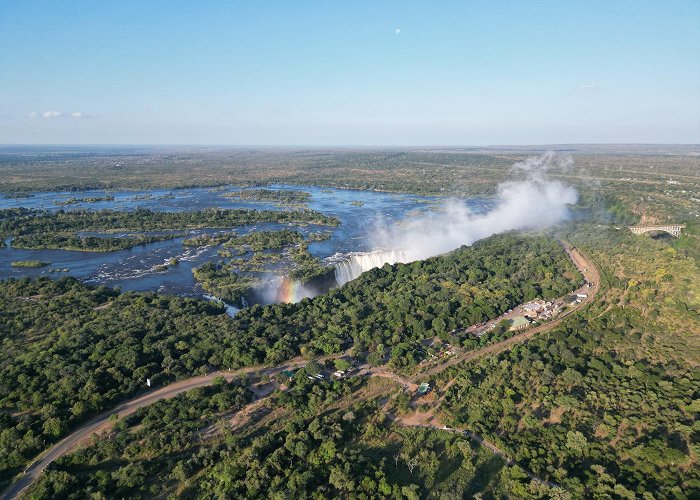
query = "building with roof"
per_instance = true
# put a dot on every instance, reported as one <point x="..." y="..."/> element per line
<point x="423" y="389"/>
<point x="519" y="323"/>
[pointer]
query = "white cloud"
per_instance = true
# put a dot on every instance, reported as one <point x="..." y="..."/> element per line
<point x="589" y="86"/>
<point x="52" y="114"/>
<point x="33" y="114"/>
<point x="77" y="114"/>
<point x="397" y="31"/>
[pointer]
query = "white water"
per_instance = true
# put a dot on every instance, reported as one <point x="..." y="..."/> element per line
<point x="230" y="310"/>
<point x="350" y="266"/>
<point x="530" y="202"/>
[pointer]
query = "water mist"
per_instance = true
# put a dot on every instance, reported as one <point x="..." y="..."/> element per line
<point x="529" y="201"/>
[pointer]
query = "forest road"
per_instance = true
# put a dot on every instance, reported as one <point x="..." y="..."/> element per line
<point x="102" y="421"/>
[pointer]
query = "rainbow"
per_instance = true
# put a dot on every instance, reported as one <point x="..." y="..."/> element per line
<point x="291" y="291"/>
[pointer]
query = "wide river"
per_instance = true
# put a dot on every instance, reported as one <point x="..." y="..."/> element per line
<point x="360" y="213"/>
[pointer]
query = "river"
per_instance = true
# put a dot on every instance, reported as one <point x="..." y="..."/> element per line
<point x="135" y="269"/>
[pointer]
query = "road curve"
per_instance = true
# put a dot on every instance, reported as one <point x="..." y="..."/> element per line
<point x="101" y="421"/>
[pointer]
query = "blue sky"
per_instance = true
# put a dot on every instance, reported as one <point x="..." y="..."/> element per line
<point x="349" y="73"/>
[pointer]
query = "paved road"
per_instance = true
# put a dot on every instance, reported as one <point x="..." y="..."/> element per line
<point x="101" y="422"/>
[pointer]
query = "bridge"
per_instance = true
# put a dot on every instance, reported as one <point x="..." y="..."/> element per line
<point x="672" y="229"/>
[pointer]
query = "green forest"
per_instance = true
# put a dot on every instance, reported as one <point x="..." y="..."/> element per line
<point x="608" y="403"/>
<point x="396" y="305"/>
<point x="76" y="350"/>
<point x="328" y="440"/>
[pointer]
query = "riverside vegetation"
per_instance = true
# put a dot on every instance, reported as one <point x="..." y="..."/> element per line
<point x="36" y="229"/>
<point x="30" y="263"/>
<point x="251" y="252"/>
<point x="283" y="196"/>
<point x="70" y="351"/>
<point x="606" y="405"/>
<point x="67" y="241"/>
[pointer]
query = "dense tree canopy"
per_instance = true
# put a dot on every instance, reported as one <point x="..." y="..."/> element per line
<point x="329" y="440"/>
<point x="608" y="403"/>
<point x="70" y="351"/>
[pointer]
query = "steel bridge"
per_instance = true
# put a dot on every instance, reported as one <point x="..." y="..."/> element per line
<point x="672" y="229"/>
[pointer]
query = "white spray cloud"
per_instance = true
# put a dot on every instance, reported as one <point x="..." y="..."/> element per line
<point x="52" y="114"/>
<point x="530" y="201"/>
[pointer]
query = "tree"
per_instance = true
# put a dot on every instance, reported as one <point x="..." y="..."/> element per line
<point x="341" y="364"/>
<point x="576" y="442"/>
<point x="54" y="427"/>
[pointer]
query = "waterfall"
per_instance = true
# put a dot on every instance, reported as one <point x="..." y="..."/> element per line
<point x="230" y="310"/>
<point x="350" y="266"/>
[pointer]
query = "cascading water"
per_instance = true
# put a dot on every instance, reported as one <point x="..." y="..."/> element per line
<point x="350" y="266"/>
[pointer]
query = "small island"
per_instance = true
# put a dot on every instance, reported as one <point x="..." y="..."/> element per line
<point x="68" y="241"/>
<point x="88" y="199"/>
<point x="29" y="263"/>
<point x="277" y="196"/>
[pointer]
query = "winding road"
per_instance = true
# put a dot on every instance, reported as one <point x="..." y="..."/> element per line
<point x="102" y="421"/>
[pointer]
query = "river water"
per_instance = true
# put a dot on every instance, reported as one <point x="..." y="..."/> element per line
<point x="360" y="212"/>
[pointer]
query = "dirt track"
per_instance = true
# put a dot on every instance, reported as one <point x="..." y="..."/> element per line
<point x="101" y="422"/>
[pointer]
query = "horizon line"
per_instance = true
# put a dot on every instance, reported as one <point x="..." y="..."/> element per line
<point x="345" y="146"/>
